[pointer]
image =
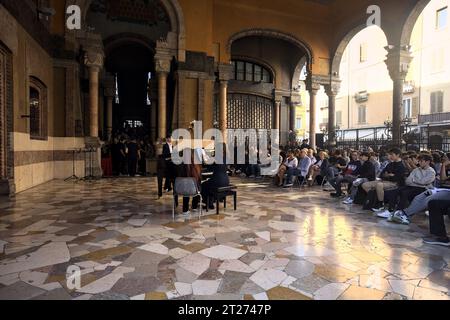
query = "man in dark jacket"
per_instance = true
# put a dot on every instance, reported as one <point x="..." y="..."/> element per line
<point x="349" y="175"/>
<point x="366" y="174"/>
<point x="392" y="176"/>
<point x="133" y="157"/>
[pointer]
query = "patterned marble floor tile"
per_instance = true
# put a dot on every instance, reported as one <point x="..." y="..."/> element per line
<point x="195" y="263"/>
<point x="299" y="269"/>
<point x="268" y="278"/>
<point x="331" y="291"/>
<point x="279" y="244"/>
<point x="236" y="266"/>
<point x="429" y="294"/>
<point x="222" y="252"/>
<point x="282" y="293"/>
<point x="205" y="287"/>
<point x="360" y="293"/>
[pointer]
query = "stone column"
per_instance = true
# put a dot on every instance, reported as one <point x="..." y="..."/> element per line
<point x="162" y="71"/>
<point x="109" y="93"/>
<point x="398" y="62"/>
<point x="223" y="107"/>
<point x="225" y="74"/>
<point x="277" y="115"/>
<point x="292" y="115"/>
<point x="93" y="59"/>
<point x="313" y="89"/>
<point x="332" y="90"/>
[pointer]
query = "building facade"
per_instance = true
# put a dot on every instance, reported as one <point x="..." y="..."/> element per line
<point x="364" y="101"/>
<point x="229" y="64"/>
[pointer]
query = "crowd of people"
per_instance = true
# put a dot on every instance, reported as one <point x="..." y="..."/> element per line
<point x="129" y="150"/>
<point x="395" y="185"/>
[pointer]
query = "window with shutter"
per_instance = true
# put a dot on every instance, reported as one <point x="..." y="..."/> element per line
<point x="362" y="114"/>
<point x="433" y="103"/>
<point x="339" y="118"/>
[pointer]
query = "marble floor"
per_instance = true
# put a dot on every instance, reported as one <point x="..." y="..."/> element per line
<point x="279" y="244"/>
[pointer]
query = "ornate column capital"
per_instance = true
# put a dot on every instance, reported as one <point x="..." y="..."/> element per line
<point x="313" y="84"/>
<point x="333" y="88"/>
<point x="94" y="60"/>
<point x="94" y="55"/>
<point x="398" y="61"/>
<point x="225" y="71"/>
<point x="162" y="65"/>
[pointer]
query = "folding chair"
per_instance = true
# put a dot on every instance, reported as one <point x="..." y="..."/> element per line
<point x="186" y="187"/>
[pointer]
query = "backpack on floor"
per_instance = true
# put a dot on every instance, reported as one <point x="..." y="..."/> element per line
<point x="371" y="200"/>
<point x="360" y="196"/>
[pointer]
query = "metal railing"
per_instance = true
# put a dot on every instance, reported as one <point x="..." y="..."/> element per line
<point x="434" y="118"/>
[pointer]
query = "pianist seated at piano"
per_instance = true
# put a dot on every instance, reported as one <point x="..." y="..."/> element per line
<point x="218" y="178"/>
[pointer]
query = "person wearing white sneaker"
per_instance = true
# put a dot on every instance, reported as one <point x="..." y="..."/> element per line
<point x="419" y="180"/>
<point x="348" y="201"/>
<point x="366" y="174"/>
<point x="399" y="217"/>
<point x="392" y="177"/>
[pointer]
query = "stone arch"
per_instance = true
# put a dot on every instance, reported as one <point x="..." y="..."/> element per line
<point x="270" y="33"/>
<point x="176" y="39"/>
<point x="339" y="52"/>
<point x="123" y="38"/>
<point x="408" y="27"/>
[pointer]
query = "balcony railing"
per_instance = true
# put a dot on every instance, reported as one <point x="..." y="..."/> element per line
<point x="434" y="118"/>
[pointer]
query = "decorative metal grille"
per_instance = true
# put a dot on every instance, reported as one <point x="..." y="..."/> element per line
<point x="246" y="111"/>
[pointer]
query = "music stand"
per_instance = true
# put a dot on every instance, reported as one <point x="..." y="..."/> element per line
<point x="73" y="176"/>
<point x="90" y="176"/>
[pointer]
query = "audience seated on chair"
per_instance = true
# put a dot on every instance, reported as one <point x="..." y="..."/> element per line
<point x="420" y="180"/>
<point x="392" y="177"/>
<point x="290" y="162"/>
<point x="349" y="174"/>
<point x="318" y="171"/>
<point x="301" y="171"/>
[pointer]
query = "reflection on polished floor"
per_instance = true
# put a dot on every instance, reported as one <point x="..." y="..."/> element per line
<point x="295" y="244"/>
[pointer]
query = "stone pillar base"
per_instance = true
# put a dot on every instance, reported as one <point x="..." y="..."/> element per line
<point x="7" y="187"/>
<point x="95" y="158"/>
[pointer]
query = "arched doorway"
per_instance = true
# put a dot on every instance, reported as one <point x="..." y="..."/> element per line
<point x="132" y="66"/>
<point x="132" y="31"/>
<point x="261" y="92"/>
<point x="6" y="122"/>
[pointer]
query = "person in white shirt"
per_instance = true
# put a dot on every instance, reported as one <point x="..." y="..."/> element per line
<point x="291" y="162"/>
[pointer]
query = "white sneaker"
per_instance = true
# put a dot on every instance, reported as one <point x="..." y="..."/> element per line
<point x="382" y="209"/>
<point x="400" y="217"/>
<point x="384" y="214"/>
<point x="186" y="214"/>
<point x="348" y="201"/>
